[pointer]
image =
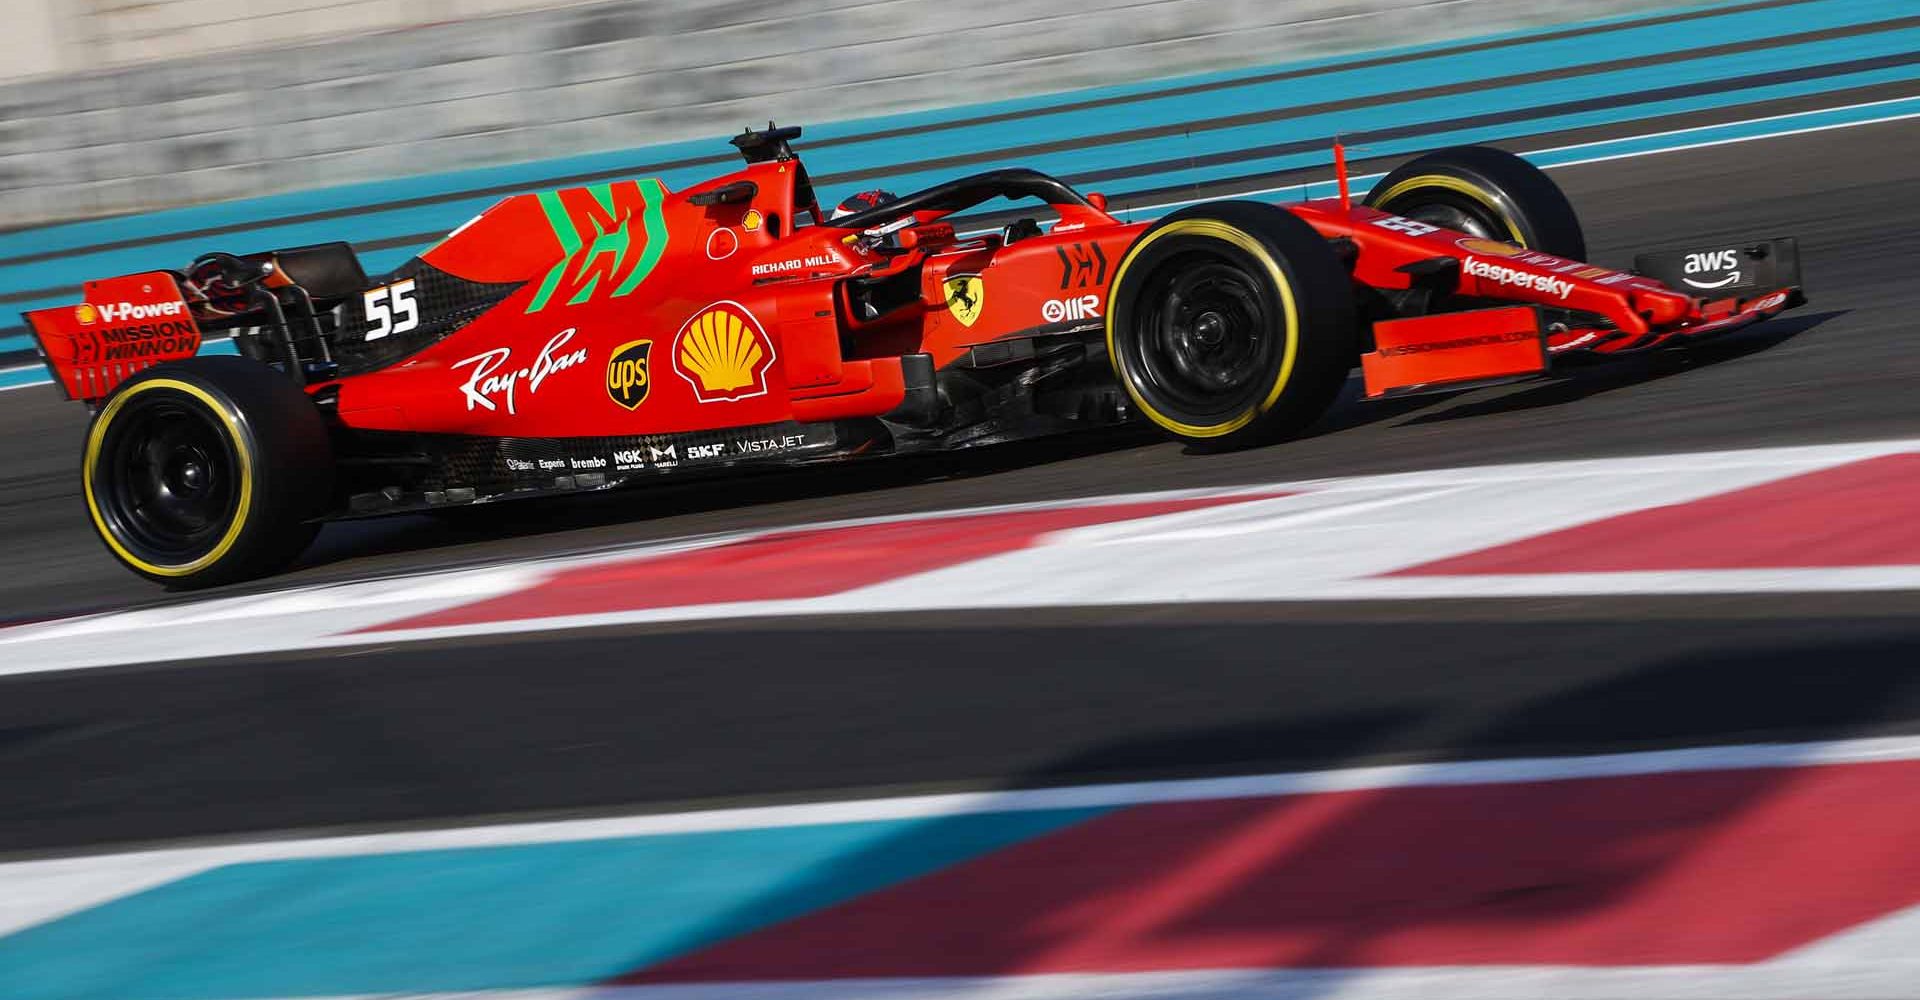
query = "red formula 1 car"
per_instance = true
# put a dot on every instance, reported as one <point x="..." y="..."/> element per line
<point x="601" y="336"/>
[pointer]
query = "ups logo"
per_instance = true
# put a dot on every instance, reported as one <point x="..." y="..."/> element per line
<point x="627" y="375"/>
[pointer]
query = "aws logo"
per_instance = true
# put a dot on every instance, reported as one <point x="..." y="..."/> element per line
<point x="724" y="353"/>
<point x="1712" y="263"/>
<point x="627" y="374"/>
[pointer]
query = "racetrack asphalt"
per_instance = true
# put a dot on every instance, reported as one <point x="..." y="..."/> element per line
<point x="628" y="718"/>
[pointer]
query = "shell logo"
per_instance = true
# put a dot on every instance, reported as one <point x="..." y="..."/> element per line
<point x="86" y="314"/>
<point x="1492" y="248"/>
<point x="724" y="353"/>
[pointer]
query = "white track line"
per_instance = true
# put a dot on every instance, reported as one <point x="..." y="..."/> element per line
<point x="1728" y="142"/>
<point x="1777" y="980"/>
<point x="1327" y="539"/>
<point x="1748" y="121"/>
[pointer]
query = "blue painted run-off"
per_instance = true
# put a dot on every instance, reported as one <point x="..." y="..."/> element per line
<point x="510" y="917"/>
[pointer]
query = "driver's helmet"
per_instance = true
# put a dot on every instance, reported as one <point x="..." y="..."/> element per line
<point x="863" y="201"/>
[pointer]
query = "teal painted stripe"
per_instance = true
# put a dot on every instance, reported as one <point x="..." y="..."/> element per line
<point x="523" y="916"/>
<point x="1585" y="152"/>
<point x="1517" y="100"/>
<point x="381" y="261"/>
<point x="18" y="378"/>
<point x="1517" y="58"/>
<point x="386" y="260"/>
<point x="1488" y="134"/>
<point x="1625" y="40"/>
<point x="36" y="374"/>
<point x="386" y="224"/>
<point x="176" y="253"/>
<point x="1622" y="40"/>
<point x="377" y="262"/>
<point x="369" y="195"/>
<point x="1386" y="81"/>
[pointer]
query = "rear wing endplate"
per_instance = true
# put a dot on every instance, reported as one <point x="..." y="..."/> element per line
<point x="123" y="326"/>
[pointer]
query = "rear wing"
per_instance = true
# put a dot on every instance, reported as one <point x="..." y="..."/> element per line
<point x="123" y="326"/>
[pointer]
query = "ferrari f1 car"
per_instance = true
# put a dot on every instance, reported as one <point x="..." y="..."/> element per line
<point x="607" y="335"/>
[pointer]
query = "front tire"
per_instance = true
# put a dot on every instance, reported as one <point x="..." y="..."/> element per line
<point x="207" y="471"/>
<point x="1231" y="325"/>
<point x="1486" y="193"/>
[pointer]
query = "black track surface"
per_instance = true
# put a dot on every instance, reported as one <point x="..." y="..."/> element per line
<point x="611" y="718"/>
<point x="621" y="719"/>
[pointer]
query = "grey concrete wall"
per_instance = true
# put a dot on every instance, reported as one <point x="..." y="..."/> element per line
<point x="64" y="36"/>
<point x="614" y="75"/>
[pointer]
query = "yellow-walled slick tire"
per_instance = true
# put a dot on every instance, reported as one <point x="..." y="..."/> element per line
<point x="1231" y="324"/>
<point x="1484" y="192"/>
<point x="207" y="471"/>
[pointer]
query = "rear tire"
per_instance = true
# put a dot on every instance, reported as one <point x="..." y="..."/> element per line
<point x="207" y="471"/>
<point x="1231" y="324"/>
<point x="1487" y="193"/>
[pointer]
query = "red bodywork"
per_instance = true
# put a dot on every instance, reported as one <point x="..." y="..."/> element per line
<point x="1639" y="313"/>
<point x="781" y="297"/>
<point x="648" y="312"/>
<point x="122" y="325"/>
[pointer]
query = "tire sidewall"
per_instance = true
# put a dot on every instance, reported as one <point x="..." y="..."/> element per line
<point x="282" y="464"/>
<point x="1531" y="209"/>
<point x="1277" y="355"/>
<point x="125" y="405"/>
<point x="1305" y="292"/>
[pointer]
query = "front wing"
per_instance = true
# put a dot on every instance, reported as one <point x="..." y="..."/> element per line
<point x="1567" y="307"/>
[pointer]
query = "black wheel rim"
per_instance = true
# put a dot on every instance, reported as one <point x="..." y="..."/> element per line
<point x="166" y="478"/>
<point x="1461" y="214"/>
<point x="1207" y="337"/>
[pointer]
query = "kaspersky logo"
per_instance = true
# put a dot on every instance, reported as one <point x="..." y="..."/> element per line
<point x="1545" y="284"/>
<point x="602" y="254"/>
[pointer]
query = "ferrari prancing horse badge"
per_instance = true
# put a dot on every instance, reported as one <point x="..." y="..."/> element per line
<point x="966" y="296"/>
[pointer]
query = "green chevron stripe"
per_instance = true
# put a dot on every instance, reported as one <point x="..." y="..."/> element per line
<point x="654" y="222"/>
<point x="569" y="245"/>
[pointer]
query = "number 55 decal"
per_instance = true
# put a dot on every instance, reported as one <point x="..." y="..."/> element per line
<point x="391" y="309"/>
